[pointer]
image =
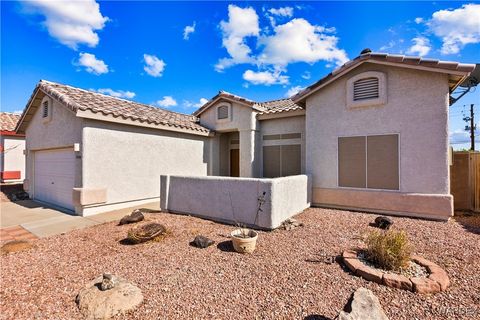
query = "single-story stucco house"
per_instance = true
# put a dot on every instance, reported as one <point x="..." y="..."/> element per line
<point x="372" y="135"/>
<point x="12" y="146"/>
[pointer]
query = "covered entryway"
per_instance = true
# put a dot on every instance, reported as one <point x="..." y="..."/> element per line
<point x="54" y="177"/>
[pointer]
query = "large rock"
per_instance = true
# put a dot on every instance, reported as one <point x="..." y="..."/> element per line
<point x="383" y="222"/>
<point x="146" y="232"/>
<point x="363" y="305"/>
<point x="135" y="216"/>
<point x="95" y="303"/>
<point x="202" y="242"/>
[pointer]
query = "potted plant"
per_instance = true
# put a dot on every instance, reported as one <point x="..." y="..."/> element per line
<point x="244" y="240"/>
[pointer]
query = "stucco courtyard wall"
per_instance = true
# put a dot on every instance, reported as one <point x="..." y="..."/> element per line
<point x="127" y="161"/>
<point x="235" y="200"/>
<point x="417" y="110"/>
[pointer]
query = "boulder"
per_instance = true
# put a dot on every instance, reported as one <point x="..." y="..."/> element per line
<point x="97" y="304"/>
<point x="108" y="282"/>
<point x="363" y="305"/>
<point x="383" y="222"/>
<point x="202" y="242"/>
<point x="291" y="224"/>
<point x="135" y="216"/>
<point x="146" y="232"/>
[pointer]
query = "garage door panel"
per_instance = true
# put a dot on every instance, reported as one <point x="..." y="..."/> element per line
<point x="54" y="177"/>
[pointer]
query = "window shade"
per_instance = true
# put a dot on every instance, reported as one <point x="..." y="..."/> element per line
<point x="367" y="88"/>
<point x="382" y="162"/>
<point x="291" y="156"/>
<point x="271" y="161"/>
<point x="352" y="162"/>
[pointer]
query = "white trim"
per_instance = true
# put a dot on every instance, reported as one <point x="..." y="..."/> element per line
<point x="366" y="163"/>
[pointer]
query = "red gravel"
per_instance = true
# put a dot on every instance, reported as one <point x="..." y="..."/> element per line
<point x="276" y="282"/>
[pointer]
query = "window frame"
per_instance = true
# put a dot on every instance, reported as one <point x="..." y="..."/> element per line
<point x="382" y="90"/>
<point x="366" y="162"/>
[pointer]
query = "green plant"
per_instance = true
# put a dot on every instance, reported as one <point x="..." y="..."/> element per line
<point x="389" y="250"/>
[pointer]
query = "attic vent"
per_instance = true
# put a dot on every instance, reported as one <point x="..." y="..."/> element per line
<point x="222" y="112"/>
<point x="366" y="88"/>
<point x="45" y="109"/>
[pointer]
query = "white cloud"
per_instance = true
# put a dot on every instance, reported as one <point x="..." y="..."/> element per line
<point x="306" y="75"/>
<point x="167" y="102"/>
<point x="18" y="111"/>
<point x="306" y="43"/>
<point x="457" y="27"/>
<point x="418" y="20"/>
<point x="92" y="64"/>
<point x="421" y="46"/>
<point x="116" y="93"/>
<point x="282" y="12"/>
<point x="153" y="65"/>
<point x="188" y="30"/>
<point x="265" y="77"/>
<point x="70" y="22"/>
<point x="198" y="104"/>
<point x="293" y="91"/>
<point x="241" y="23"/>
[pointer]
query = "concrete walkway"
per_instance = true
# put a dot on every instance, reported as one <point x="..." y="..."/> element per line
<point x="44" y="221"/>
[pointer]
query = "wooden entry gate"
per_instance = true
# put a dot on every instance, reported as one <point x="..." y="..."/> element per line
<point x="465" y="180"/>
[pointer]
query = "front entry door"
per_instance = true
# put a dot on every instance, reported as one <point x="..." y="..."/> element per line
<point x="234" y="163"/>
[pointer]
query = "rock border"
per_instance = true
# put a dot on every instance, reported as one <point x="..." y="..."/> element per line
<point x="436" y="281"/>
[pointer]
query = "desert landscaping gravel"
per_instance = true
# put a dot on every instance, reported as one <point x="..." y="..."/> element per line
<point x="285" y="278"/>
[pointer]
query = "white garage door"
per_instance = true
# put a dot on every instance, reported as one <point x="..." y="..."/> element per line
<point x="54" y="177"/>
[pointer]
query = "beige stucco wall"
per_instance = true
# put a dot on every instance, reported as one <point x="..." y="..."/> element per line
<point x="63" y="130"/>
<point x="13" y="158"/>
<point x="235" y="200"/>
<point x="242" y="119"/>
<point x="127" y="160"/>
<point x="416" y="109"/>
<point x="282" y="126"/>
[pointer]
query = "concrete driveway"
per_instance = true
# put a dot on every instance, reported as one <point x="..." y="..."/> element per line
<point x="43" y="221"/>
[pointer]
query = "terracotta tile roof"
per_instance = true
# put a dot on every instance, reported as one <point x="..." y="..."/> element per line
<point x="8" y="121"/>
<point x="226" y="95"/>
<point x="270" y="107"/>
<point x="278" y="106"/>
<point x="79" y="99"/>
<point x="387" y="58"/>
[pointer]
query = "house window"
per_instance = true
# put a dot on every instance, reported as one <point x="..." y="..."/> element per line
<point x="222" y="112"/>
<point x="369" y="162"/>
<point x="45" y="110"/>
<point x="281" y="160"/>
<point x="367" y="89"/>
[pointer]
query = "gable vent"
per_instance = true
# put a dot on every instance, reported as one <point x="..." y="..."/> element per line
<point x="45" y="109"/>
<point x="366" y="88"/>
<point x="222" y="112"/>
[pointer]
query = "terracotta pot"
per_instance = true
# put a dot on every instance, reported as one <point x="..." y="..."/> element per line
<point x="244" y="240"/>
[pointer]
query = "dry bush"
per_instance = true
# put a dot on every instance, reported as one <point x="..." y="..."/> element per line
<point x="390" y="250"/>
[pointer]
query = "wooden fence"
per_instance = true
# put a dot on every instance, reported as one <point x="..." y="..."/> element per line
<point x="465" y="180"/>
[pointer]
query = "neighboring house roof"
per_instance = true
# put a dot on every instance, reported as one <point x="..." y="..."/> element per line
<point x="278" y="106"/>
<point x="8" y="121"/>
<point x="82" y="100"/>
<point x="459" y="71"/>
<point x="268" y="107"/>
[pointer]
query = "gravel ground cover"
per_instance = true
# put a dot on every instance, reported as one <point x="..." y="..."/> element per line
<point x="285" y="278"/>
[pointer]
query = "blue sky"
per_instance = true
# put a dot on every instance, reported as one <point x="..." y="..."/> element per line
<point x="177" y="54"/>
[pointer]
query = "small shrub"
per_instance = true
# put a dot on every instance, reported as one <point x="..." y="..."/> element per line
<point x="389" y="250"/>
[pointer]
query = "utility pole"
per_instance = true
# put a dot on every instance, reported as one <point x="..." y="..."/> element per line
<point x="471" y="127"/>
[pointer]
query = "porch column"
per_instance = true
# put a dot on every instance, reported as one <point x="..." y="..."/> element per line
<point x="248" y="157"/>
